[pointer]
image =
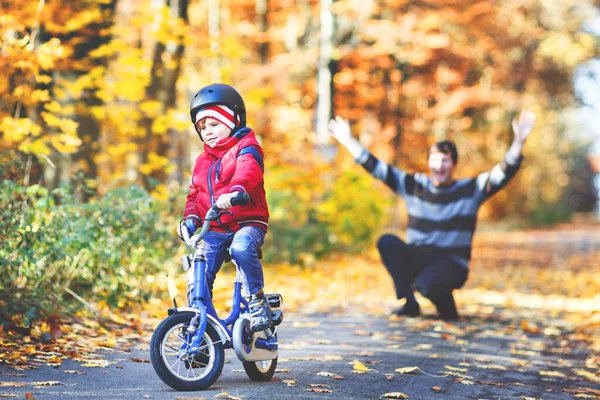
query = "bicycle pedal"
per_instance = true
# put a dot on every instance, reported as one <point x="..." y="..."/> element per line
<point x="275" y="300"/>
<point x="276" y="317"/>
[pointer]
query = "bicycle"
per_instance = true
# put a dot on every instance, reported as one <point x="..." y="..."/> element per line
<point x="187" y="347"/>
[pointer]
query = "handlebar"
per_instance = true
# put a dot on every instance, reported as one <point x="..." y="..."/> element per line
<point x="241" y="199"/>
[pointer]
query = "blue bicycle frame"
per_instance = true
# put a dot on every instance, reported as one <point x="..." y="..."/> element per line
<point x="202" y="301"/>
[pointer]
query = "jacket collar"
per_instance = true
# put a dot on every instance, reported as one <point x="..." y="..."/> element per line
<point x="222" y="147"/>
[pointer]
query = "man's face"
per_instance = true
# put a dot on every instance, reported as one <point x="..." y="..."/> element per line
<point x="441" y="167"/>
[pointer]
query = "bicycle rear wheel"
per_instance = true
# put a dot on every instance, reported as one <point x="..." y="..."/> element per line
<point x="261" y="371"/>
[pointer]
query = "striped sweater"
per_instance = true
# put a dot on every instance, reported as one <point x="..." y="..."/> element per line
<point x="442" y="218"/>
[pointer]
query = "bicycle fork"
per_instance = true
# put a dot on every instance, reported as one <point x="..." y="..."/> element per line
<point x="198" y="296"/>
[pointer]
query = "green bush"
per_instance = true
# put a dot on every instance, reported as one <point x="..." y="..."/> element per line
<point x="311" y="218"/>
<point x="56" y="248"/>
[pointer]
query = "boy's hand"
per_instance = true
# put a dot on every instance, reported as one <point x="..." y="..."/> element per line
<point x="523" y="126"/>
<point x="191" y="223"/>
<point x="224" y="200"/>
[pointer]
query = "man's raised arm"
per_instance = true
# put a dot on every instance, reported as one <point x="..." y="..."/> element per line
<point x="393" y="177"/>
<point x="492" y="181"/>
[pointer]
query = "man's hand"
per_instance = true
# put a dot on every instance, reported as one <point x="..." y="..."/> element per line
<point x="340" y="130"/>
<point x="224" y="200"/>
<point x="523" y="126"/>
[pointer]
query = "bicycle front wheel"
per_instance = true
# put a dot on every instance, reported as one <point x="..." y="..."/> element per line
<point x="174" y="366"/>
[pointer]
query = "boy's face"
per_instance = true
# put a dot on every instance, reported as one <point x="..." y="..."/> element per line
<point x="213" y="131"/>
<point x="441" y="167"/>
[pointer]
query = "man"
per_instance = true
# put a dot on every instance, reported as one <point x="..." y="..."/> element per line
<point x="442" y="215"/>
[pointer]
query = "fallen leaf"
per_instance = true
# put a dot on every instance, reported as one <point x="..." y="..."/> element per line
<point x="147" y="396"/>
<point x="424" y="346"/>
<point x="47" y="383"/>
<point x="71" y="371"/>
<point x="436" y="389"/>
<point x="319" y="390"/>
<point x="395" y="395"/>
<point x="389" y="377"/>
<point x="7" y="394"/>
<point x="12" y="384"/>
<point x="360" y="367"/>
<point x="140" y="360"/>
<point x="289" y="382"/>
<point x="282" y="370"/>
<point x="493" y="366"/>
<point x="406" y="370"/>
<point x="96" y="364"/>
<point x="466" y="382"/>
<point x="225" y="395"/>
<point x="318" y="385"/>
<point x="587" y="374"/>
<point x="451" y="368"/>
<point x="325" y="373"/>
<point x="553" y="373"/>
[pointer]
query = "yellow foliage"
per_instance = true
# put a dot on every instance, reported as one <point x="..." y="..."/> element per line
<point x="43" y="79"/>
<point x="84" y="18"/>
<point x="17" y="130"/>
<point x="37" y="146"/>
<point x="65" y="143"/>
<point x="121" y="149"/>
<point x="48" y="52"/>
<point x="53" y="107"/>
<point x="160" y="192"/>
<point x="39" y="96"/>
<point x="151" y="108"/>
<point x="156" y="163"/>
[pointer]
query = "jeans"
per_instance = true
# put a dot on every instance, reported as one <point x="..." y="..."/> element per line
<point x="433" y="276"/>
<point x="243" y="248"/>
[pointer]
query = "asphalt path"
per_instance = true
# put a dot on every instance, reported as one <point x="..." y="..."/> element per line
<point x="483" y="356"/>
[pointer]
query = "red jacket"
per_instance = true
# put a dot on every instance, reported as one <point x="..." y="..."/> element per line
<point x="234" y="164"/>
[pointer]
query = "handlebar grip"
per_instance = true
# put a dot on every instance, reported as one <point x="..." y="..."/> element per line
<point x="191" y="227"/>
<point x="241" y="199"/>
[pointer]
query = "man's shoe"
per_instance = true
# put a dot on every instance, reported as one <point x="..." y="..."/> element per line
<point x="408" y="310"/>
<point x="260" y="313"/>
<point x="446" y="307"/>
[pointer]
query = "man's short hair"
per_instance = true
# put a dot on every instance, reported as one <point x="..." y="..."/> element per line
<point x="446" y="147"/>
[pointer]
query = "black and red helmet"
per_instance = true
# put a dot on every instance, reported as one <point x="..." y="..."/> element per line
<point x="223" y="94"/>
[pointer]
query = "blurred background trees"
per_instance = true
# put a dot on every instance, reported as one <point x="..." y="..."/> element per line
<point x="95" y="94"/>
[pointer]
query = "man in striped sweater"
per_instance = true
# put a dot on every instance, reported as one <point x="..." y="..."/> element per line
<point x="442" y="215"/>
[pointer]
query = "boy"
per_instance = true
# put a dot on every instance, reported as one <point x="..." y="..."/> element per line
<point x="232" y="162"/>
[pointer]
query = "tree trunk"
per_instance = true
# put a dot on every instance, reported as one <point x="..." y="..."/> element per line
<point x="324" y="102"/>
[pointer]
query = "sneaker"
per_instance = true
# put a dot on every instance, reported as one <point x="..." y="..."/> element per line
<point x="260" y="313"/>
<point x="446" y="307"/>
<point x="408" y="310"/>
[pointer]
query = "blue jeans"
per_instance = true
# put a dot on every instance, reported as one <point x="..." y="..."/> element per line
<point x="243" y="248"/>
<point x="434" y="276"/>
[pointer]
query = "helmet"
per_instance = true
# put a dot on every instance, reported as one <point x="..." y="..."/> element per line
<point x="219" y="93"/>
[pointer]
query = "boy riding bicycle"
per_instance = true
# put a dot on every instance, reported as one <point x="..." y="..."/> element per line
<point x="232" y="162"/>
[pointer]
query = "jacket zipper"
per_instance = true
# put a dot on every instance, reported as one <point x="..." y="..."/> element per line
<point x="217" y="169"/>
<point x="210" y="187"/>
